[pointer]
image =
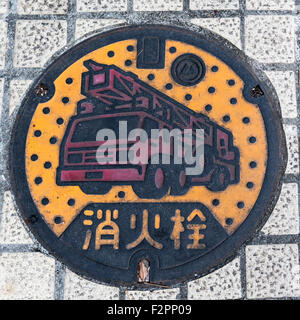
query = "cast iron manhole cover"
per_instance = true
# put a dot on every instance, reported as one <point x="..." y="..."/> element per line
<point x="147" y="154"/>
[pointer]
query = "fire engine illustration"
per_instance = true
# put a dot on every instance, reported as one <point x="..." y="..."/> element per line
<point x="147" y="155"/>
<point x="113" y="95"/>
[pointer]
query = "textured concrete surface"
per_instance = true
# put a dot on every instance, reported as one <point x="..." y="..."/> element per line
<point x="284" y="218"/>
<point x="31" y="31"/>
<point x="272" y="271"/>
<point x="284" y="83"/>
<point x="224" y="283"/>
<point x="36" y="41"/>
<point x="228" y="28"/>
<point x="26" y="276"/>
<point x="168" y="294"/>
<point x="77" y="288"/>
<point x="270" y="39"/>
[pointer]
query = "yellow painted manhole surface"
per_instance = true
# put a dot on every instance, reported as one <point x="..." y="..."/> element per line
<point x="147" y="154"/>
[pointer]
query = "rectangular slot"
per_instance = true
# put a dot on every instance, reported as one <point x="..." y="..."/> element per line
<point x="94" y="175"/>
<point x="151" y="53"/>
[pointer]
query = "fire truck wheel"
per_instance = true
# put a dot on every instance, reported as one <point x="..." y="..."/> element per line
<point x="156" y="183"/>
<point x="180" y="181"/>
<point x="219" y="179"/>
<point x="95" y="187"/>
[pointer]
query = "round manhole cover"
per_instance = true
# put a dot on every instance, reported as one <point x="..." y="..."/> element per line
<point x="147" y="154"/>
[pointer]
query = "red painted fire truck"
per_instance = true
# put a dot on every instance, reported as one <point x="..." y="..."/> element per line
<point x="113" y="95"/>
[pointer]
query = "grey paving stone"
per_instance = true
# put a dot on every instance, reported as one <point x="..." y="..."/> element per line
<point x="270" y="39"/>
<point x="84" y="26"/>
<point x="42" y="6"/>
<point x="284" y="83"/>
<point x="12" y="230"/>
<point x="103" y="5"/>
<point x="157" y="5"/>
<point x="3" y="41"/>
<point x="3" y="6"/>
<point x="1" y="94"/>
<point x="30" y="276"/>
<point x="222" y="284"/>
<point x="228" y="28"/>
<point x="214" y="4"/>
<point x="270" y="4"/>
<point x="166" y="294"/>
<point x="272" y="271"/>
<point x="285" y="217"/>
<point x="17" y="89"/>
<point x="37" y="40"/>
<point x="78" y="288"/>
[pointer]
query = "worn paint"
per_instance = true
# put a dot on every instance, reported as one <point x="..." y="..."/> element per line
<point x="220" y="100"/>
<point x="182" y="232"/>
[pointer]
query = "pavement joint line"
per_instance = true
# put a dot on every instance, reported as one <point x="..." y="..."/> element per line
<point x="186" y="6"/>
<point x="291" y="121"/>
<point x="19" y="248"/>
<point x="242" y="23"/>
<point x="59" y="282"/>
<point x="290" y="178"/>
<point x="130" y="6"/>
<point x="262" y="239"/>
<point x="297" y="72"/>
<point x="242" y="5"/>
<point x="243" y="276"/>
<point x="183" y="293"/>
<point x="188" y="13"/>
<point x="71" y="19"/>
<point x="122" y="293"/>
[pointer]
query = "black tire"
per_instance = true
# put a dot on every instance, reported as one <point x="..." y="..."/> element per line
<point x="180" y="182"/>
<point x="219" y="179"/>
<point x="148" y="188"/>
<point x="95" y="187"/>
